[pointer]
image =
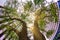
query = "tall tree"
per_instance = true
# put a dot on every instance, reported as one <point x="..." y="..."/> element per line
<point x="16" y="24"/>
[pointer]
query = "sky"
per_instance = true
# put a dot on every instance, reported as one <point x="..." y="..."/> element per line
<point x="2" y="1"/>
<point x="51" y="0"/>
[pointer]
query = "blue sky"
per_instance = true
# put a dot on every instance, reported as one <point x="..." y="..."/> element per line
<point x="2" y="2"/>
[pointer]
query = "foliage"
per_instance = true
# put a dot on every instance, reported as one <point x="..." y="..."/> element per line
<point x="27" y="6"/>
<point x="42" y="24"/>
<point x="24" y="15"/>
<point x="53" y="12"/>
<point x="13" y="36"/>
<point x="49" y="33"/>
<point x="38" y="1"/>
<point x="13" y="4"/>
<point x="41" y="16"/>
<point x="40" y="13"/>
<point x="5" y="23"/>
<point x="10" y="11"/>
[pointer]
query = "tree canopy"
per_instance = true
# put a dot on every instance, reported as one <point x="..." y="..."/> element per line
<point x="16" y="23"/>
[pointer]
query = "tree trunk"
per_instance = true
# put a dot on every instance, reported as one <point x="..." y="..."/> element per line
<point x="36" y="31"/>
<point x="37" y="34"/>
<point x="23" y="33"/>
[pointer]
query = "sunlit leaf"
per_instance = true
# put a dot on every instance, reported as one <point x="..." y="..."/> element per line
<point x="42" y="24"/>
<point x="43" y="15"/>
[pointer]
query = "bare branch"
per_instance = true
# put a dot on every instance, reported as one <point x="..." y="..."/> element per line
<point x="2" y="7"/>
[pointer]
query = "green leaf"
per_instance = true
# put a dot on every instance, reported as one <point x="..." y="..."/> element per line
<point x="15" y="1"/>
<point x="49" y="33"/>
<point x="7" y="34"/>
<point x="8" y="28"/>
<point x="40" y="12"/>
<point x="5" y="25"/>
<point x="42" y="24"/>
<point x="50" y="19"/>
<point x="5" y="20"/>
<point x="2" y="26"/>
<point x="53" y="10"/>
<point x="23" y="16"/>
<point x="38" y="1"/>
<point x="27" y="6"/>
<point x="13" y="36"/>
<point x="43" y="15"/>
<point x="11" y="11"/>
<point x="56" y="19"/>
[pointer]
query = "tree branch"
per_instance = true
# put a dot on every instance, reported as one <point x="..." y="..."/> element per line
<point x="18" y="19"/>
<point x="3" y="16"/>
<point x="2" y="7"/>
<point x="23" y="33"/>
<point x="13" y="29"/>
<point x="5" y="20"/>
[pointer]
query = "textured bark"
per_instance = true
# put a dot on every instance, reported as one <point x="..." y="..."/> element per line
<point x="36" y="31"/>
<point x="23" y="33"/>
<point x="37" y="34"/>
